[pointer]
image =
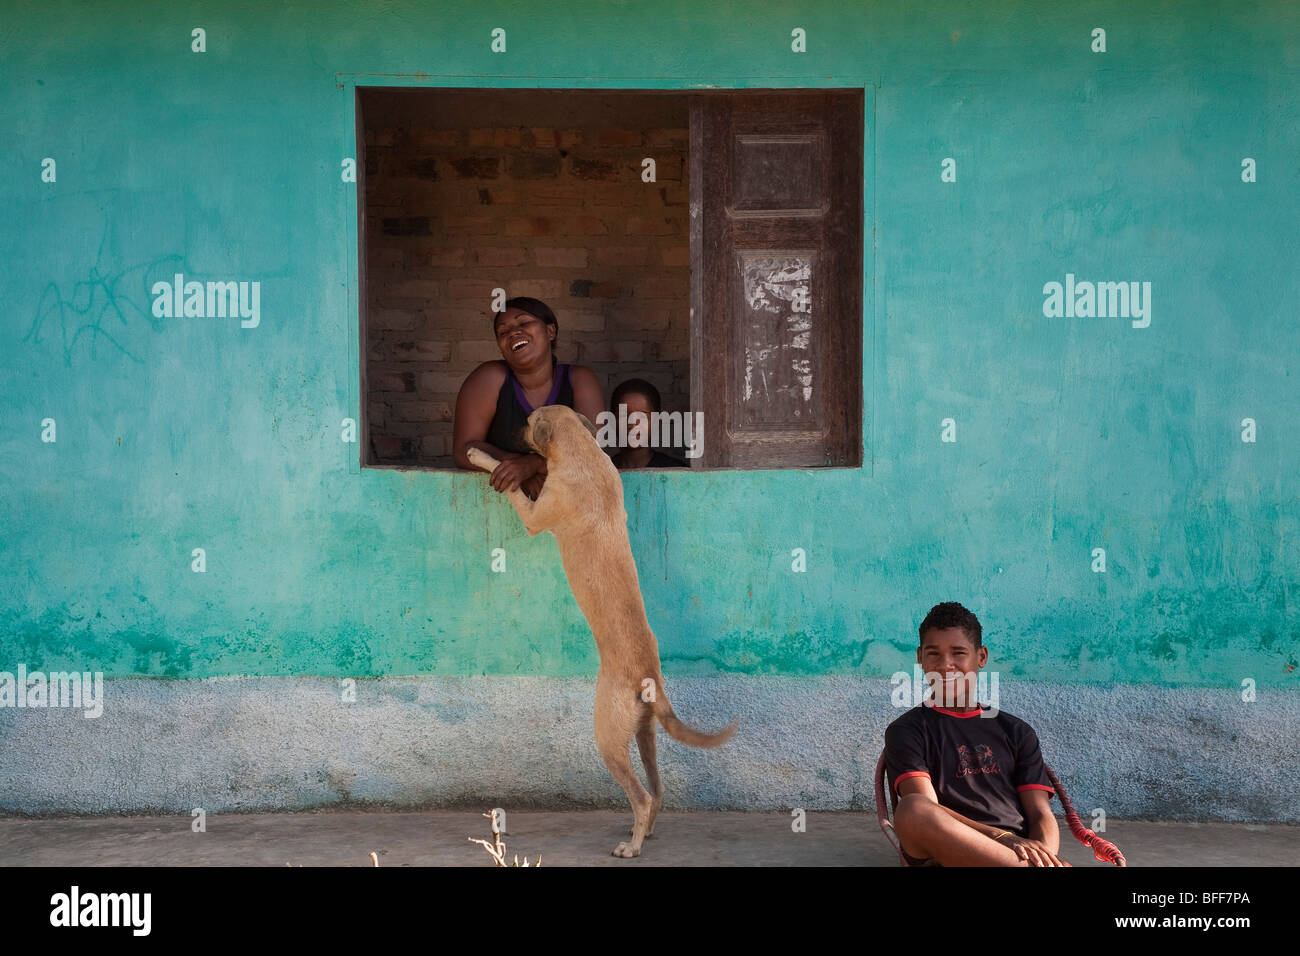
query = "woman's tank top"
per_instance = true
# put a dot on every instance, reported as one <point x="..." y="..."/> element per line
<point x="513" y="409"/>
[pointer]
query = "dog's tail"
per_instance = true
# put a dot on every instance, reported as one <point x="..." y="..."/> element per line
<point x="688" y="735"/>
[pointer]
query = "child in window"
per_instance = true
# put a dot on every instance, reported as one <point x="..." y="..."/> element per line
<point x="640" y="396"/>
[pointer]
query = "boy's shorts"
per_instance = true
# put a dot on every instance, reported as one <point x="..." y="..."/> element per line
<point x="913" y="861"/>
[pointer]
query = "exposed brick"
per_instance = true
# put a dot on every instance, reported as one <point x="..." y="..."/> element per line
<point x="413" y="288"/>
<point x="423" y="350"/>
<point x="544" y="289"/>
<point x="382" y="300"/>
<point x="622" y="255"/>
<point x="672" y="349"/>
<point x="557" y="194"/>
<point x="422" y="411"/>
<point x="661" y="289"/>
<point x="592" y="169"/>
<point x="433" y="446"/>
<point x="472" y="289"/>
<point x="615" y="197"/>
<point x="384" y="257"/>
<point x="471" y="225"/>
<point x="667" y="136"/>
<point x="640" y="318"/>
<point x="488" y="190"/>
<point x="542" y="137"/>
<point x="439" y="258"/>
<point x="528" y="226"/>
<point x="675" y="255"/>
<point x="560" y="256"/>
<point x="390" y="449"/>
<point x="440" y="383"/>
<point x="423" y="167"/>
<point x="535" y="165"/>
<point x="435" y="139"/>
<point x="610" y="351"/>
<point x="392" y="382"/>
<point x="395" y="319"/>
<point x="477" y="351"/>
<point x="442" y="317"/>
<point x="651" y="226"/>
<point x="511" y="138"/>
<point x="476" y="167"/>
<point x="590" y="288"/>
<point x="673" y="195"/>
<point x="496" y="195"/>
<point x="499" y="256"/>
<point x="581" y="321"/>
<point x="407" y="226"/>
<point x="618" y="137"/>
<point x="585" y="226"/>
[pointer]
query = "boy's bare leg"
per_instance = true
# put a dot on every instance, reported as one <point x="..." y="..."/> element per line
<point x="928" y="832"/>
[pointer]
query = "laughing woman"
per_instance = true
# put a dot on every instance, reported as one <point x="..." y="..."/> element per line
<point x="496" y="398"/>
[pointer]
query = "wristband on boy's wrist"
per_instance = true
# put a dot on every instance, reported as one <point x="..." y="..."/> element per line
<point x="1002" y="834"/>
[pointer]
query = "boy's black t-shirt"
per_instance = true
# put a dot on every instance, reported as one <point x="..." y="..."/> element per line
<point x="977" y="764"/>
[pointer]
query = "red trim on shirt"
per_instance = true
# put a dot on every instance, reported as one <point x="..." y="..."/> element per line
<point x="956" y="713"/>
<point x="910" y="773"/>
<point x="1034" y="786"/>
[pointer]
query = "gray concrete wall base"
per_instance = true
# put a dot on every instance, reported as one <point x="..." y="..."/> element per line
<point x="273" y="743"/>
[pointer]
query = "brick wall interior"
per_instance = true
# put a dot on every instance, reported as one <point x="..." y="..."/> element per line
<point x="536" y="192"/>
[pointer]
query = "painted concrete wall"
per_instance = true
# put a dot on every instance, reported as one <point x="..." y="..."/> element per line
<point x="1072" y="434"/>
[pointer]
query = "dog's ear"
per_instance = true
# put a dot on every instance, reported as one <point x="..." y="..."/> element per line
<point x="585" y="421"/>
<point x="541" y="433"/>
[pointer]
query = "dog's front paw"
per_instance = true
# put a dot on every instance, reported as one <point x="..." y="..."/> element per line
<point x="481" y="459"/>
<point x="627" y="851"/>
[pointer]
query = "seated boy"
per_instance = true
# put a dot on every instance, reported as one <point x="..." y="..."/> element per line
<point x="971" y="784"/>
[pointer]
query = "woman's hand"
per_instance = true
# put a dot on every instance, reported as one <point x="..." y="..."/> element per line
<point x="1031" y="851"/>
<point x="513" y="472"/>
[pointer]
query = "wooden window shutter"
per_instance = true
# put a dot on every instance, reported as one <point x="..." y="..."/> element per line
<point x="776" y="292"/>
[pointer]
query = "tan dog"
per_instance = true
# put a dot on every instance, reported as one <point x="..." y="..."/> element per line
<point x="581" y="503"/>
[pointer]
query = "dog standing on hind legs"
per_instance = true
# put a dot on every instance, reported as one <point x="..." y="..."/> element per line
<point x="581" y="503"/>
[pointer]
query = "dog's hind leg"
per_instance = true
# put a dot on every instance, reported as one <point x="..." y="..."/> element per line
<point x="616" y="721"/>
<point x="645" y="742"/>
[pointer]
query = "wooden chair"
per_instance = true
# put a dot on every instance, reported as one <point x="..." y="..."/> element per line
<point x="1103" y="850"/>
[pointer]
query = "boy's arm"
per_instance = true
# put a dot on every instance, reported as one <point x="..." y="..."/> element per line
<point x="923" y="787"/>
<point x="1039" y="820"/>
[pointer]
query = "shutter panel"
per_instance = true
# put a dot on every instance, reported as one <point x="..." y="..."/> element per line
<point x="776" y="291"/>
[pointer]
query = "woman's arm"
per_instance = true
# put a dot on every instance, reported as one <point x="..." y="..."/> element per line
<point x="476" y="405"/>
<point x="588" y="397"/>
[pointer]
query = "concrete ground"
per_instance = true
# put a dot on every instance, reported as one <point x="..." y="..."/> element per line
<point x="568" y="838"/>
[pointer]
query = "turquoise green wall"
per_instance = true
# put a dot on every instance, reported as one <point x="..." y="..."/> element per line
<point x="1072" y="434"/>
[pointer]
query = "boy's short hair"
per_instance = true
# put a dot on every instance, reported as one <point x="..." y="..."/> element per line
<point x="951" y="614"/>
<point x="636" y="386"/>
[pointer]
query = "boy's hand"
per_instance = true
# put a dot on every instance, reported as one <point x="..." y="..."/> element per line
<point x="1031" y="851"/>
